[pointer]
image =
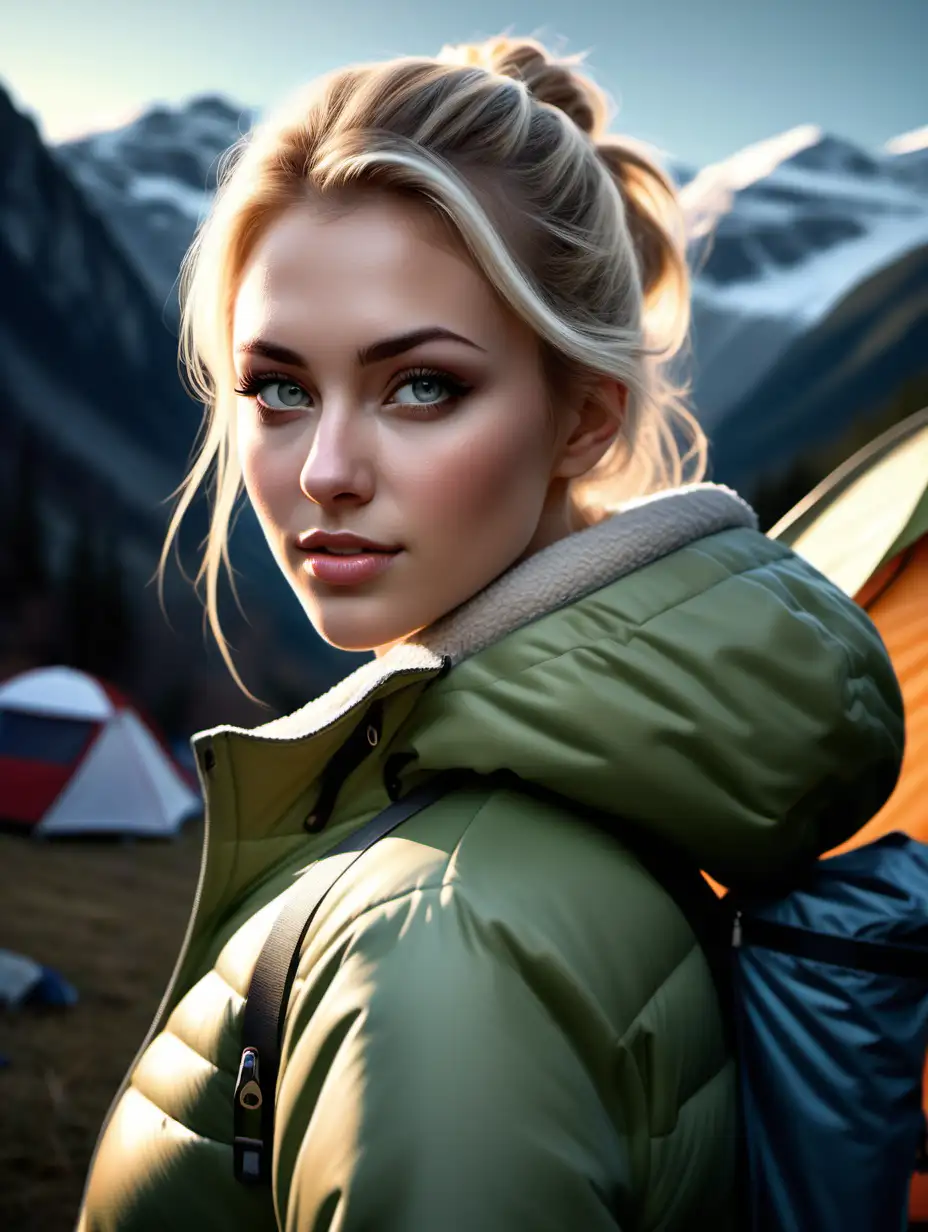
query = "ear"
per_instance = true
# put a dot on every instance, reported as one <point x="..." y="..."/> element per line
<point x="594" y="425"/>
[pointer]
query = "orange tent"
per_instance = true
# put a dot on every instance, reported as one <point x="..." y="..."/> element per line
<point x="866" y="528"/>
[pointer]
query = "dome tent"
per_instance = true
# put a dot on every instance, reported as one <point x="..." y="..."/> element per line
<point x="76" y="758"/>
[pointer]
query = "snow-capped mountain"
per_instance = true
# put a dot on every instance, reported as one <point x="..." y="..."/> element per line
<point x="802" y="220"/>
<point x="910" y="157"/>
<point x="79" y="325"/>
<point x="154" y="178"/>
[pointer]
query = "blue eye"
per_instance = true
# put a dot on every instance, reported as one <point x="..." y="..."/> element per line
<point x="276" y="393"/>
<point x="290" y="394"/>
<point x="426" y="390"/>
<point x="429" y="388"/>
<point x="288" y="397"/>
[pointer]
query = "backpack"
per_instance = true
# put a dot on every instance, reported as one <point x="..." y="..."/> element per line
<point x="830" y="1002"/>
<point x="824" y="990"/>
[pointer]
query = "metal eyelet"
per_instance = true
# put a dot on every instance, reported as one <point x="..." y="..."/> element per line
<point x="373" y="735"/>
<point x="250" y="1095"/>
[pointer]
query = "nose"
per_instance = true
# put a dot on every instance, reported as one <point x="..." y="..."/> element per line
<point x="339" y="468"/>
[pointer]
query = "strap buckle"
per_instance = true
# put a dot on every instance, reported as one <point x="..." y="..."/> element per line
<point x="248" y="1160"/>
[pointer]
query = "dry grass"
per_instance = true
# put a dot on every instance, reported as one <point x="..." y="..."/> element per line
<point x="110" y="917"/>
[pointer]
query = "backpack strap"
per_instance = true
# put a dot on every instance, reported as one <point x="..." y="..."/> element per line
<point x="274" y="972"/>
<point x="709" y="917"/>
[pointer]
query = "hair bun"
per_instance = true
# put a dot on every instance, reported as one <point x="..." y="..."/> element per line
<point x="547" y="79"/>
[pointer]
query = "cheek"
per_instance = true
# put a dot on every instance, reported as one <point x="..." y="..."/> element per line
<point x="268" y="472"/>
<point x="496" y="470"/>
<point x="253" y="462"/>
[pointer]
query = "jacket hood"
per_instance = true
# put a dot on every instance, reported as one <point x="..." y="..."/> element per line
<point x="671" y="667"/>
<point x="675" y="669"/>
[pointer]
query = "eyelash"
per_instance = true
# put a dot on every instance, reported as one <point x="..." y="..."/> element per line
<point x="254" y="382"/>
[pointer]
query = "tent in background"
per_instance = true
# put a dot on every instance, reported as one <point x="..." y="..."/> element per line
<point x="866" y="528"/>
<point x="23" y="982"/>
<point x="76" y="758"/>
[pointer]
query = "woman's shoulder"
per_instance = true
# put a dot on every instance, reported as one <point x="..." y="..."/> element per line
<point x="507" y="845"/>
<point x="531" y="880"/>
<point x="539" y="862"/>
<point x="529" y="986"/>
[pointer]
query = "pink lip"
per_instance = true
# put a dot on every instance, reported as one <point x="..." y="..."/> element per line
<point x="307" y="541"/>
<point x="347" y="570"/>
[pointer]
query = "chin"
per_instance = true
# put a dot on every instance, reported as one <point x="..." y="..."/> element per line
<point x="358" y="636"/>
<point x="352" y="644"/>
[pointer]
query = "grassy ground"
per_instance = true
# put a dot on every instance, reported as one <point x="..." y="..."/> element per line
<point x="110" y="917"/>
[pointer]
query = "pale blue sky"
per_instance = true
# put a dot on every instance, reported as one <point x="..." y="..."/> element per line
<point x="698" y="78"/>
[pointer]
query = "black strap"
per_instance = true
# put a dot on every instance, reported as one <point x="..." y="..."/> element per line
<point x="271" y="981"/>
<point x="901" y="961"/>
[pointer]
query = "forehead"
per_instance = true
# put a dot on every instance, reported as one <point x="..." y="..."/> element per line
<point x="376" y="261"/>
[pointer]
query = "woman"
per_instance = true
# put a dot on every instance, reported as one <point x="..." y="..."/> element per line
<point x="429" y="314"/>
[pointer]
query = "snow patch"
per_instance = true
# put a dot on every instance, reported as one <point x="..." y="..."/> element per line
<point x="161" y="189"/>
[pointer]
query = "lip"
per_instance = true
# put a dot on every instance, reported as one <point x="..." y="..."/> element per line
<point x="372" y="558"/>
<point x="341" y="539"/>
<point x="347" y="570"/>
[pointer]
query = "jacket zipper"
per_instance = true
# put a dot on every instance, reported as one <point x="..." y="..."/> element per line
<point x="191" y="924"/>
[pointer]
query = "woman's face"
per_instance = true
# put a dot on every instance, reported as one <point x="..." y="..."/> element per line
<point x="390" y="394"/>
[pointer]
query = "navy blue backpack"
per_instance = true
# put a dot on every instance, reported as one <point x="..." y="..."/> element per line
<point x="824" y="984"/>
<point x="829" y="987"/>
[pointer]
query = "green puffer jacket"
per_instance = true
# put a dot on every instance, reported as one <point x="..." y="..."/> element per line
<point x="501" y="1022"/>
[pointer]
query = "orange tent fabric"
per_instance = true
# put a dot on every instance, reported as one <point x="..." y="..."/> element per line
<point x="896" y="600"/>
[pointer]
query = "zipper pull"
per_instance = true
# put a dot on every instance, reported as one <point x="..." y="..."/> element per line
<point x="736" y="931"/>
<point x="248" y="1147"/>
<point x="248" y="1086"/>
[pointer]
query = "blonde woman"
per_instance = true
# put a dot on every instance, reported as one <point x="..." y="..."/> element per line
<point x="430" y="316"/>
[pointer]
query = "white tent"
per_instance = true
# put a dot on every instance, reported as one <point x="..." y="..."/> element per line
<point x="76" y="758"/>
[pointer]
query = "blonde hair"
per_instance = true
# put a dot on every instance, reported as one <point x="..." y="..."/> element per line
<point x="579" y="231"/>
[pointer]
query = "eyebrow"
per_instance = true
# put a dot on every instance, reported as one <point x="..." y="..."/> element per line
<point x="387" y="348"/>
